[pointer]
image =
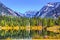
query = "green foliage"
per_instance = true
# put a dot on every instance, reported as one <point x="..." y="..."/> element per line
<point x="44" y="22"/>
<point x="58" y="21"/>
<point x="50" y="22"/>
<point x="33" y="22"/>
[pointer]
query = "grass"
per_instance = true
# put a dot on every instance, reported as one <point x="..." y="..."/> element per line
<point x="21" y="28"/>
<point x="54" y="29"/>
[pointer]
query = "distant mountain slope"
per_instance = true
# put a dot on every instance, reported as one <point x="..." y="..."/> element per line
<point x="51" y="10"/>
<point x="30" y="14"/>
<point x="7" y="11"/>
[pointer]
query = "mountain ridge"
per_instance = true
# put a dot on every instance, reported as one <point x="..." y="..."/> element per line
<point x="50" y="10"/>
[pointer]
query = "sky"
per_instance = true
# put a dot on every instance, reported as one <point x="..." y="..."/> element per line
<point x="26" y="5"/>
